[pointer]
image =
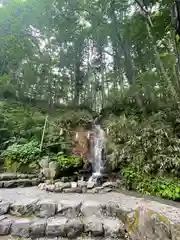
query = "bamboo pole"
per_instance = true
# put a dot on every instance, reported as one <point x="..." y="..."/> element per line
<point x="43" y="133"/>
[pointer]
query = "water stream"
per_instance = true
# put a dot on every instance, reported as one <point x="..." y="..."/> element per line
<point x="97" y="145"/>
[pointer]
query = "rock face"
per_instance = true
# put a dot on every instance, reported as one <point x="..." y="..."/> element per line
<point x="81" y="143"/>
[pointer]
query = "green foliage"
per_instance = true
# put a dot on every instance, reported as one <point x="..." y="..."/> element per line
<point x="74" y="118"/>
<point x="21" y="158"/>
<point x="56" y="142"/>
<point x="166" y="187"/>
<point x="22" y="121"/>
<point x="68" y="164"/>
<point x="150" y="143"/>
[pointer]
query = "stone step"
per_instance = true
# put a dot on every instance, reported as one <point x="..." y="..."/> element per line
<point x="20" y="182"/>
<point x="13" y="176"/>
<point x="57" y="238"/>
<point x="138" y="217"/>
<point x="45" y="208"/>
<point x="64" y="227"/>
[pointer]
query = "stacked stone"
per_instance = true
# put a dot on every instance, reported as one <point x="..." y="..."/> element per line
<point x="67" y="219"/>
<point x="34" y="219"/>
<point x="12" y="180"/>
<point x="78" y="187"/>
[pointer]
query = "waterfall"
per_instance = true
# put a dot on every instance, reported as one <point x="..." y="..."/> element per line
<point x="98" y="145"/>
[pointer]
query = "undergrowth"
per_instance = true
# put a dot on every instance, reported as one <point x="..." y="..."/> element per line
<point x="161" y="186"/>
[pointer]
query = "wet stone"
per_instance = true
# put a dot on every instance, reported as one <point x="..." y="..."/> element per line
<point x="74" y="228"/>
<point x="21" y="228"/>
<point x="45" y="208"/>
<point x="56" y="227"/>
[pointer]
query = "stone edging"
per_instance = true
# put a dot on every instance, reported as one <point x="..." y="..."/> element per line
<point x="68" y="218"/>
<point x="78" y="187"/>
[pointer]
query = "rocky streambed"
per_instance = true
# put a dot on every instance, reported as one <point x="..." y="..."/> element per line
<point x="32" y="214"/>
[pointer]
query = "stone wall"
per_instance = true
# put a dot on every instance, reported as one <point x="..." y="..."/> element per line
<point x="124" y="218"/>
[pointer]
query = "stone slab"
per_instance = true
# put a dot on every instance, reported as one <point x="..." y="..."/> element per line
<point x="56" y="227"/>
<point x="24" y="207"/>
<point x="21" y="228"/>
<point x="45" y="208"/>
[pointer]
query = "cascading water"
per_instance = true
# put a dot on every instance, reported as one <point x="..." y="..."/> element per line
<point x="98" y="145"/>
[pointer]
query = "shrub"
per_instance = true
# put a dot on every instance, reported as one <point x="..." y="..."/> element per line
<point x="166" y="187"/>
<point x="68" y="164"/>
<point x="74" y="118"/>
<point x="150" y="143"/>
<point x="21" y="158"/>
